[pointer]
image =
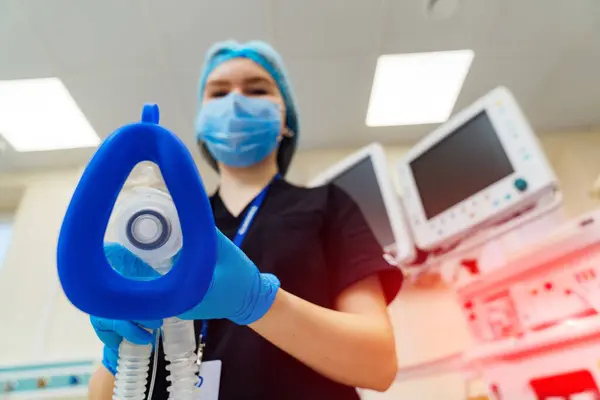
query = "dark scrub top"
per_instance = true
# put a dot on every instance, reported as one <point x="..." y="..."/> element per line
<point x="317" y="242"/>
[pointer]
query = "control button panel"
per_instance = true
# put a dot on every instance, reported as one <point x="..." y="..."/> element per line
<point x="476" y="208"/>
<point x="568" y="293"/>
<point x="492" y="319"/>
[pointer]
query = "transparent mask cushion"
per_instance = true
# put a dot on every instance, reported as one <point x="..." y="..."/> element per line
<point x="147" y="224"/>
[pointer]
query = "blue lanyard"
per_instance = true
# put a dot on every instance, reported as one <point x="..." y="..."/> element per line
<point x="240" y="235"/>
<point x="255" y="206"/>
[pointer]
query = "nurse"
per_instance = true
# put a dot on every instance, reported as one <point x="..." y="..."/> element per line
<point x="297" y="306"/>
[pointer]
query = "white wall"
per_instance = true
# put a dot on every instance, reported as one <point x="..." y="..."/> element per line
<point x="28" y="280"/>
<point x="29" y="287"/>
<point x="6" y="222"/>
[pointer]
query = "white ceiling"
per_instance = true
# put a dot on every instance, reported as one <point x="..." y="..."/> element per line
<point x="115" y="55"/>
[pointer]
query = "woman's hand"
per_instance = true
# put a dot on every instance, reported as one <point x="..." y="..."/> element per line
<point x="112" y="332"/>
<point x="238" y="290"/>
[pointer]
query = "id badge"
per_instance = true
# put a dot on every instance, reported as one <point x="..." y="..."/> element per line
<point x="209" y="380"/>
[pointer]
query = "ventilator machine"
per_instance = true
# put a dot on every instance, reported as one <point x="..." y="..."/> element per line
<point x="153" y="225"/>
<point x="481" y="208"/>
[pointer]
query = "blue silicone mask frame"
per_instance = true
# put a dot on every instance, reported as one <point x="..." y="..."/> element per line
<point x="88" y="280"/>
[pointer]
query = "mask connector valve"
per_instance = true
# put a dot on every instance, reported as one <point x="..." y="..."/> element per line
<point x="148" y="230"/>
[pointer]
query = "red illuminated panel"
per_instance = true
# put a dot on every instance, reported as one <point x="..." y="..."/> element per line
<point x="564" y="385"/>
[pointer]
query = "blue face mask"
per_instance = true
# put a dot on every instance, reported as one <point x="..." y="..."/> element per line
<point x="239" y="131"/>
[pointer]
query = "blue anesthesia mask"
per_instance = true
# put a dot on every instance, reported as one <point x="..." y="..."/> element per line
<point x="239" y="131"/>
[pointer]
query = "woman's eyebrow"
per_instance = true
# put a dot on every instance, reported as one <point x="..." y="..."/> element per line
<point x="217" y="82"/>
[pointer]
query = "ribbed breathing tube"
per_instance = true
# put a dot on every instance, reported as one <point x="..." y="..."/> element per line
<point x="134" y="360"/>
<point x="179" y="343"/>
<point x="132" y="372"/>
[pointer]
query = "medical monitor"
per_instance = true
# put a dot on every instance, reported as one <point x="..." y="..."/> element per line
<point x="481" y="166"/>
<point x="364" y="177"/>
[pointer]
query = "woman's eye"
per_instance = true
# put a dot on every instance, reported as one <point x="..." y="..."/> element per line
<point x="257" y="92"/>
<point x="221" y="93"/>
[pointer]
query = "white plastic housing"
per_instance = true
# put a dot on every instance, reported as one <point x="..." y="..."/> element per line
<point x="497" y="201"/>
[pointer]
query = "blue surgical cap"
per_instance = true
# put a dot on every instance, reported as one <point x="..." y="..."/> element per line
<point x="265" y="56"/>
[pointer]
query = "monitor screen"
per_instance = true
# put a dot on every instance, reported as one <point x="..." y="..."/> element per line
<point x="360" y="183"/>
<point x="463" y="163"/>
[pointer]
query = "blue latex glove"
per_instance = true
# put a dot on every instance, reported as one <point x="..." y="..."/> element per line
<point x="112" y="332"/>
<point x="238" y="291"/>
